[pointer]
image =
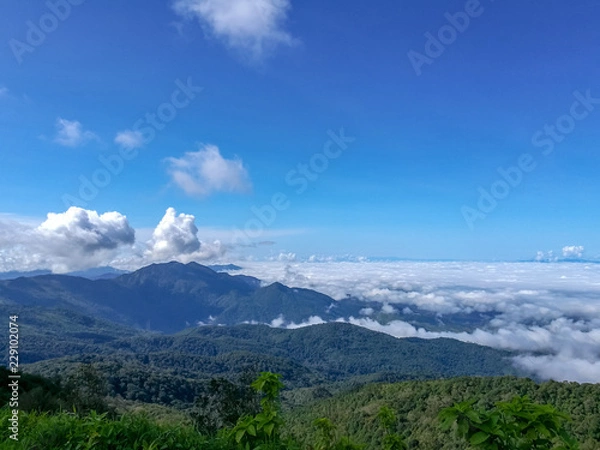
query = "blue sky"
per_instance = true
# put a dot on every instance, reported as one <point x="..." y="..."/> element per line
<point x="424" y="141"/>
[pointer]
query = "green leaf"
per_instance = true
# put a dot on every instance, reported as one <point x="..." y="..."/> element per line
<point x="239" y="436"/>
<point x="463" y="426"/>
<point x="473" y="416"/>
<point x="269" y="428"/>
<point x="479" y="438"/>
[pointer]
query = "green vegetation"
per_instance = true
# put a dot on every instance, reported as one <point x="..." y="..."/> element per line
<point x="84" y="391"/>
<point x="514" y="425"/>
<point x="424" y="415"/>
<point x="221" y="404"/>
<point x="65" y="431"/>
<point x="173" y="370"/>
<point x="417" y="404"/>
<point x="391" y="439"/>
<point x="262" y="428"/>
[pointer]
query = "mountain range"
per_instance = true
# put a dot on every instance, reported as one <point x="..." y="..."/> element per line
<point x="168" y="297"/>
<point x="172" y="296"/>
<point x="98" y="273"/>
<point x="166" y="327"/>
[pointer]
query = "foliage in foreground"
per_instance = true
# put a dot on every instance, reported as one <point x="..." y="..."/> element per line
<point x="66" y="431"/>
<point x="514" y="425"/>
<point x="518" y="424"/>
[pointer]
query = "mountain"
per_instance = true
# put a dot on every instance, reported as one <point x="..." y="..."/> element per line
<point x="224" y="267"/>
<point x="99" y="273"/>
<point x="47" y="333"/>
<point x="169" y="297"/>
<point x="96" y="273"/>
<point x="14" y="274"/>
<point x="337" y="350"/>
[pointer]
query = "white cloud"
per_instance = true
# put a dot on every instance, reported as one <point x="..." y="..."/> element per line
<point x="546" y="256"/>
<point x="70" y="133"/>
<point x="176" y="239"/>
<point x="204" y="172"/>
<point x="561" y="367"/>
<point x="289" y="257"/>
<point x="278" y="322"/>
<point x="3" y="91"/>
<point x="388" y="309"/>
<point x="86" y="230"/>
<point x="573" y="251"/>
<point x="129" y="139"/>
<point x="75" y="239"/>
<point x="174" y="235"/>
<point x="568" y="252"/>
<point x="312" y="320"/>
<point x="252" y="27"/>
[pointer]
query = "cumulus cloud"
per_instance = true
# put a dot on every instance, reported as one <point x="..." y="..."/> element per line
<point x="253" y="27"/>
<point x="86" y="230"/>
<point x="176" y="239"/>
<point x="549" y="313"/>
<point x="204" y="172"/>
<point x="568" y="252"/>
<point x="174" y="235"/>
<point x="70" y="133"/>
<point x="573" y="251"/>
<point x="129" y="139"/>
<point x="72" y="240"/>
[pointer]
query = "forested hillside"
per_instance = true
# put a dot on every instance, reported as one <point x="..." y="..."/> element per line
<point x="400" y="416"/>
<point x="418" y="403"/>
<point x="171" y="369"/>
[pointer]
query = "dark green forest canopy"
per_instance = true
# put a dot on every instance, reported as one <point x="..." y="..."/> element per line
<point x="168" y="368"/>
<point x="353" y="414"/>
<point x="417" y="404"/>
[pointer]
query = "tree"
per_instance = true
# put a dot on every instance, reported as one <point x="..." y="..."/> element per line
<point x="327" y="440"/>
<point x="221" y="404"/>
<point x="87" y="390"/>
<point x="391" y="439"/>
<point x="263" y="427"/>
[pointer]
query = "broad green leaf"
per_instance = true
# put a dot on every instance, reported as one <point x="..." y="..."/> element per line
<point x="479" y="438"/>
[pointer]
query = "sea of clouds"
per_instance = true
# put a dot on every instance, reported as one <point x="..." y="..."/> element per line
<point x="548" y="312"/>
